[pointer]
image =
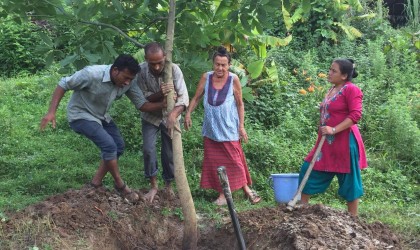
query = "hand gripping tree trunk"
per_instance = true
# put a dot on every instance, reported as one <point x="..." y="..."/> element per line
<point x="188" y="209"/>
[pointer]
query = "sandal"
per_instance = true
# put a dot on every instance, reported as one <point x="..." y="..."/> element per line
<point x="253" y="197"/>
<point x="131" y="196"/>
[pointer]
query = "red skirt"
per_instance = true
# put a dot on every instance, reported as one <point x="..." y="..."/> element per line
<point x="228" y="154"/>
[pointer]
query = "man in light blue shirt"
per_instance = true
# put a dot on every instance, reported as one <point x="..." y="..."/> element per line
<point x="94" y="90"/>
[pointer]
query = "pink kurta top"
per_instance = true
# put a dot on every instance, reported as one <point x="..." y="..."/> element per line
<point x="335" y="153"/>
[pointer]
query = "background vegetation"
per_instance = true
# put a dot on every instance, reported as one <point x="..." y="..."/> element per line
<point x="281" y="108"/>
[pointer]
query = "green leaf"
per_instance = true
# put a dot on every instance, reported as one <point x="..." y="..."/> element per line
<point x="356" y="4"/>
<point x="387" y="48"/>
<point x="247" y="94"/>
<point x="68" y="60"/>
<point x="46" y="39"/>
<point x="275" y="41"/>
<point x="49" y="58"/>
<point x="306" y="6"/>
<point x="417" y="44"/>
<point x="367" y="16"/>
<point x="118" y="6"/>
<point x="233" y="16"/>
<point x="297" y="15"/>
<point x="92" y="58"/>
<point x="244" y="22"/>
<point x="244" y="80"/>
<point x="286" y="17"/>
<point x="255" y="68"/>
<point x="272" y="71"/>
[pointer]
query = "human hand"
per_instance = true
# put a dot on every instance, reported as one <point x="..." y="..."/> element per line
<point x="327" y="130"/>
<point x="243" y="135"/>
<point x="166" y="88"/>
<point x="49" y="117"/>
<point x="187" y="121"/>
<point x="170" y="124"/>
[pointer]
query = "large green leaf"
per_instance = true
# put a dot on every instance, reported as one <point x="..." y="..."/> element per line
<point x="245" y="23"/>
<point x="68" y="60"/>
<point x="92" y="58"/>
<point x="247" y="94"/>
<point x="255" y="68"/>
<point x="356" y="4"/>
<point x="118" y="6"/>
<point x="286" y="17"/>
<point x="306" y="6"/>
<point x="272" y="71"/>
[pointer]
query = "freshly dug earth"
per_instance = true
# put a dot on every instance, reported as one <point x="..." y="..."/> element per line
<point x="99" y="219"/>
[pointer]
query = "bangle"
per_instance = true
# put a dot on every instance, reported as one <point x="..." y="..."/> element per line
<point x="333" y="130"/>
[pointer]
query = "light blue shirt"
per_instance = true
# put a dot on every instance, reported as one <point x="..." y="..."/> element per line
<point x="94" y="93"/>
<point x="221" y="123"/>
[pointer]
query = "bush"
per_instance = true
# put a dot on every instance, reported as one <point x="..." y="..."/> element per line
<point x="17" y="48"/>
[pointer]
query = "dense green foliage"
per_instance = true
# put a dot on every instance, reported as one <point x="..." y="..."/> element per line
<point x="17" y="48"/>
<point x="79" y="32"/>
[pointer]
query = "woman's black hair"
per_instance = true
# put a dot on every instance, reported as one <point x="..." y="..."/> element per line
<point x="221" y="51"/>
<point x="347" y="66"/>
<point x="128" y="62"/>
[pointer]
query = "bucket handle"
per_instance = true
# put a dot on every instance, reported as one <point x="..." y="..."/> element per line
<point x="270" y="182"/>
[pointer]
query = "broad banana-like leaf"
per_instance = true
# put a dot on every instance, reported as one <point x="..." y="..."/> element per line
<point x="238" y="68"/>
<point x="260" y="50"/>
<point x="297" y="15"/>
<point x="272" y="71"/>
<point x="356" y="4"/>
<point x="271" y="40"/>
<point x="247" y="94"/>
<point x="368" y="16"/>
<point x="286" y="17"/>
<point x="255" y="68"/>
<point x="350" y="31"/>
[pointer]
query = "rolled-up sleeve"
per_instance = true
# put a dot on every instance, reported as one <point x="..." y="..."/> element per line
<point x="180" y="87"/>
<point x="77" y="81"/>
<point x="354" y="98"/>
<point x="136" y="95"/>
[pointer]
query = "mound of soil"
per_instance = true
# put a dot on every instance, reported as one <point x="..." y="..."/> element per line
<point x="100" y="219"/>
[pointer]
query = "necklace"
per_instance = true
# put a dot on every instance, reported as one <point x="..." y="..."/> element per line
<point x="334" y="91"/>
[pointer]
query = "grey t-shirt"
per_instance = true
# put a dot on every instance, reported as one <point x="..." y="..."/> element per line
<point x="94" y="93"/>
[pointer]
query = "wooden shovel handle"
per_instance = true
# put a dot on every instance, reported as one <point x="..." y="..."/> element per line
<point x="293" y="202"/>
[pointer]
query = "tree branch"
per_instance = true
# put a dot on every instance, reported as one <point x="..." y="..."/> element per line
<point x="116" y="29"/>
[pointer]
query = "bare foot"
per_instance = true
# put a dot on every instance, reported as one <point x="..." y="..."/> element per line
<point x="169" y="193"/>
<point x="150" y="195"/>
<point x="126" y="193"/>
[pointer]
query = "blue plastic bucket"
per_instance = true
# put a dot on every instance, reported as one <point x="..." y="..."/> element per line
<point x="285" y="186"/>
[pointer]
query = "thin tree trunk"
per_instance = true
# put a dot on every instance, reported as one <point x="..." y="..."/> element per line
<point x="190" y="219"/>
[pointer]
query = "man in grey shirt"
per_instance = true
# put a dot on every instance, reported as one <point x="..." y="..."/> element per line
<point x="94" y="90"/>
<point x="150" y="80"/>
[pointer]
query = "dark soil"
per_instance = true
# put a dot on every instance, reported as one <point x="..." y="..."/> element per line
<point x="95" y="219"/>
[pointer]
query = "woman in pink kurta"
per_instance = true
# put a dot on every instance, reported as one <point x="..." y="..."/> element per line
<point x="343" y="153"/>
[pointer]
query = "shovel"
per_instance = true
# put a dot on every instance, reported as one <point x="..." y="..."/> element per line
<point x="292" y="203"/>
<point x="221" y="171"/>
